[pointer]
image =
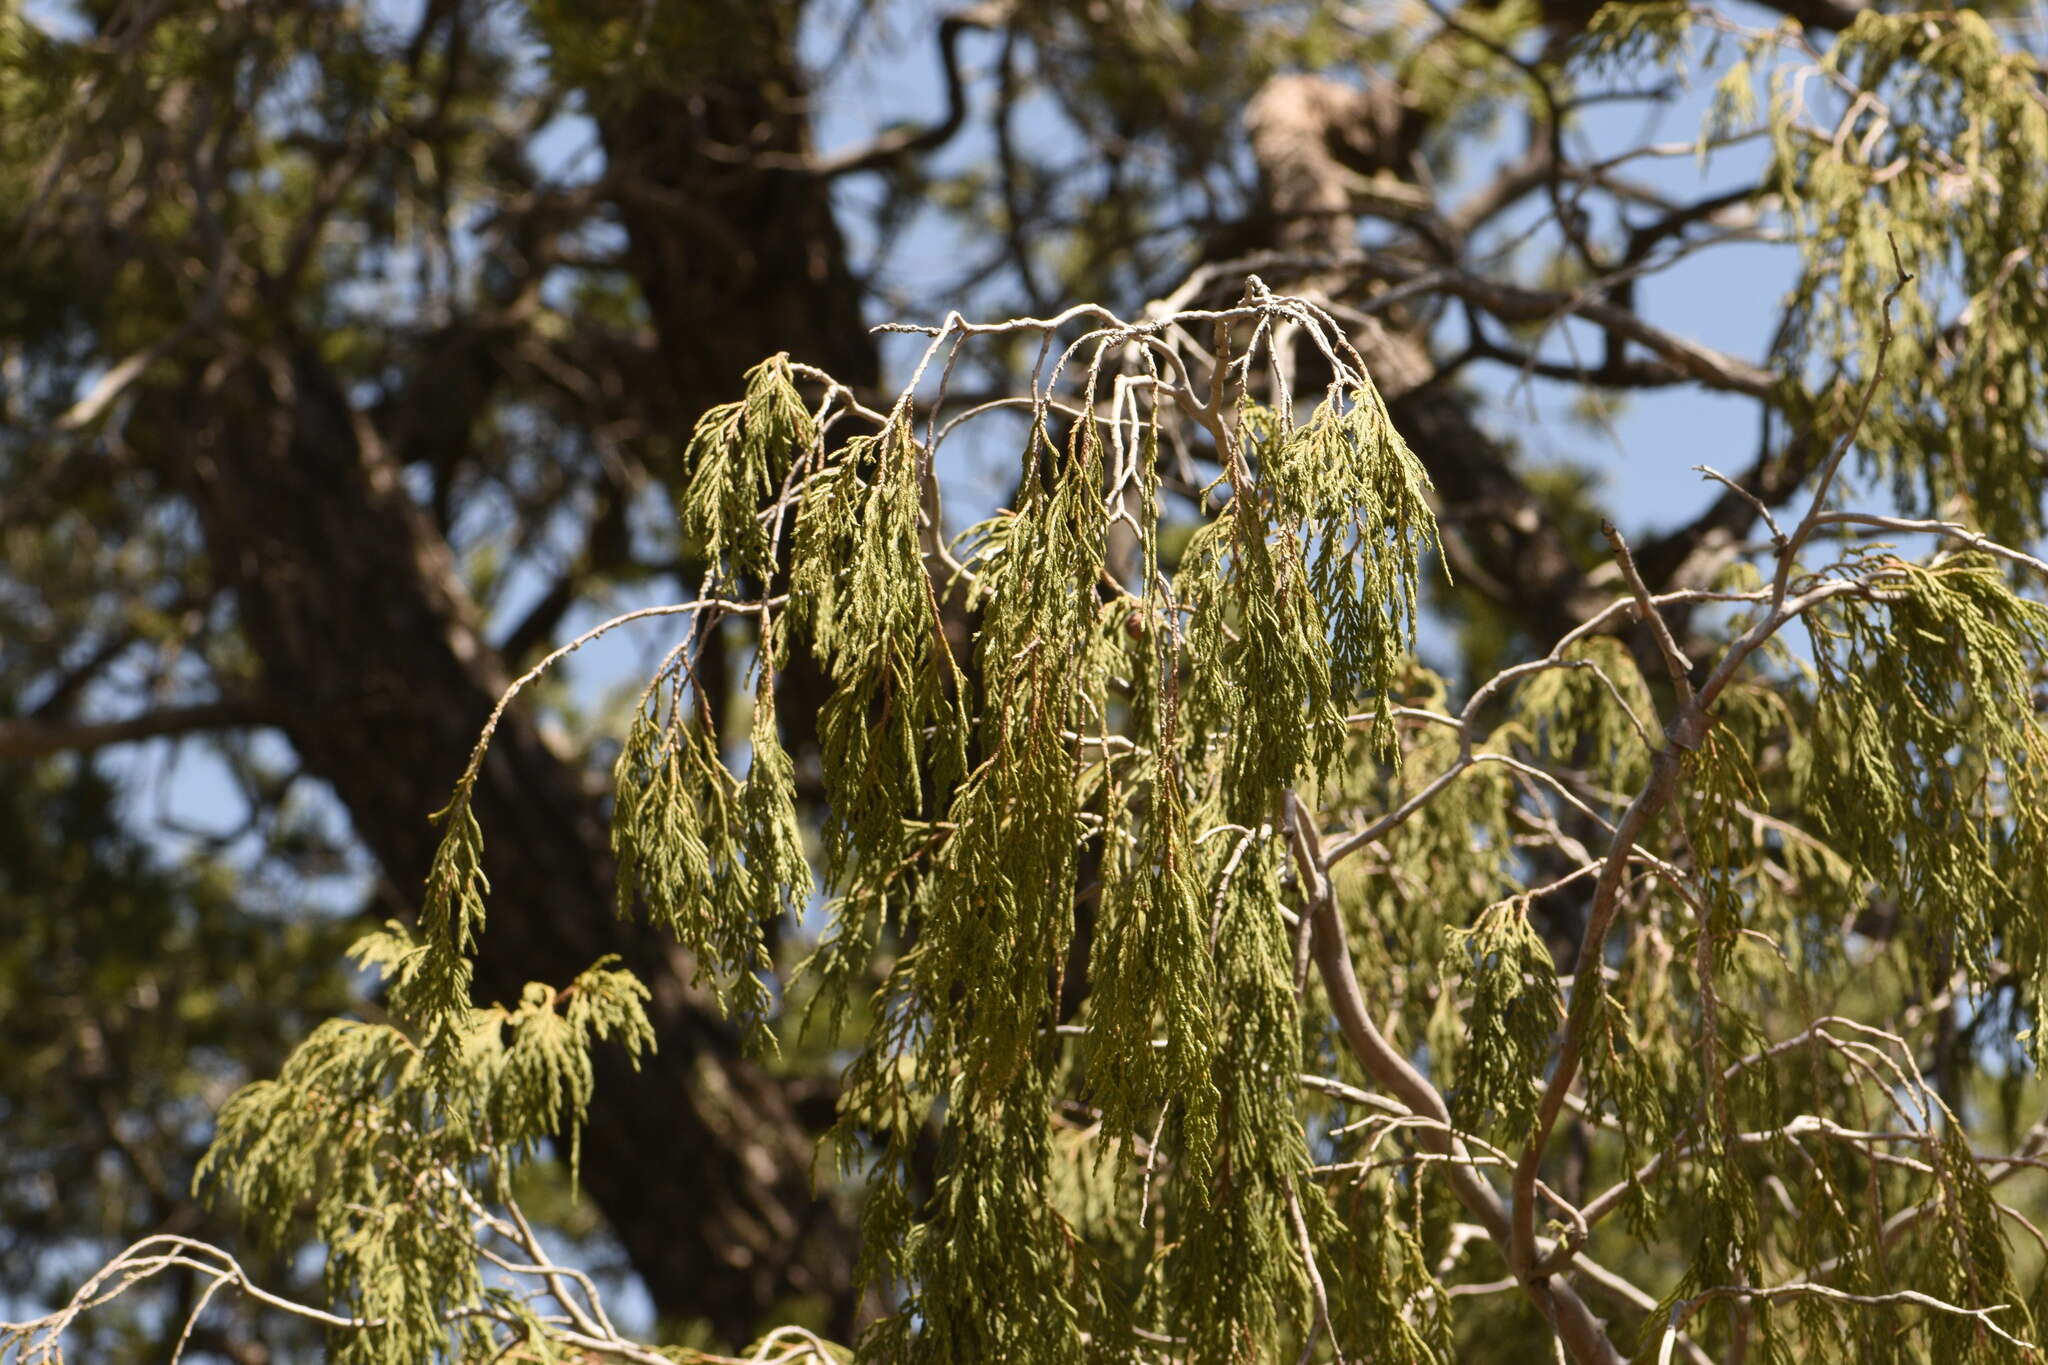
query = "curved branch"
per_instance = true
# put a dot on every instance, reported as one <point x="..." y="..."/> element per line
<point x="1583" y="1333"/>
<point x="1515" y="303"/>
<point x="898" y="143"/>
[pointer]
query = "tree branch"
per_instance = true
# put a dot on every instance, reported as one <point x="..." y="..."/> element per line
<point x="1514" y="303"/>
<point x="898" y="143"/>
<point x="1583" y="1333"/>
<point x="20" y="739"/>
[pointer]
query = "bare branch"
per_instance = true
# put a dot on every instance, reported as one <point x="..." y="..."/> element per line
<point x="1675" y="662"/>
<point x="898" y="143"/>
<point x="1584" y="1334"/>
<point x="1684" y="1308"/>
<point x="1810" y="521"/>
<point x="20" y="739"/>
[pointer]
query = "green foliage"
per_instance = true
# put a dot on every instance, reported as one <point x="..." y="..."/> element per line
<point x="738" y="458"/>
<point x="134" y="988"/>
<point x="1594" y="711"/>
<point x="1390" y="1296"/>
<point x="963" y="818"/>
<point x="993" y="1270"/>
<point x="1104" y="787"/>
<point x="1237" y="1272"/>
<point x="1359" y="495"/>
<point x="619" y="53"/>
<point x="436" y="986"/>
<point x="713" y="859"/>
<point x="1928" y="753"/>
<point x="1080" y="844"/>
<point x="1943" y="158"/>
<point x="1154" y="972"/>
<point x="1513" y="1009"/>
<point x="1629" y="31"/>
<point x="1303" y="594"/>
<point x="396" y="1151"/>
<point x="890" y="730"/>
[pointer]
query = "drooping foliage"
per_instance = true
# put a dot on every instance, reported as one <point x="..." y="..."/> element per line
<point x="1927" y="716"/>
<point x="1079" y="824"/>
<point x="398" y="1151"/>
<point x="1227" y="984"/>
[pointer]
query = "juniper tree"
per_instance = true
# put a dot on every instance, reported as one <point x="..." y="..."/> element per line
<point x="1216" y="980"/>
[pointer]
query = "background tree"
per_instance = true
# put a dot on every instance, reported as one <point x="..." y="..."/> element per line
<point x="304" y="332"/>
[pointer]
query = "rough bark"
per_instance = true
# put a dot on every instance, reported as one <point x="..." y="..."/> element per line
<point x="700" y="1161"/>
<point x="736" y="252"/>
<point x="367" y="654"/>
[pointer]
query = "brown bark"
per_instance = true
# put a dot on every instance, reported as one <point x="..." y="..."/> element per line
<point x="700" y="1161"/>
<point x="368" y="655"/>
<point x="737" y="255"/>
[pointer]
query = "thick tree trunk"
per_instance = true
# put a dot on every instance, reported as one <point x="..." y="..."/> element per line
<point x="737" y="255"/>
<point x="700" y="1162"/>
<point x="361" y="635"/>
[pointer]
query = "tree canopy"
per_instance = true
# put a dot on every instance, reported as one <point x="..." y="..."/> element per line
<point x="1290" y="874"/>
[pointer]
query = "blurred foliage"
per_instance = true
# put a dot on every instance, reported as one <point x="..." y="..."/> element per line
<point x="938" y="816"/>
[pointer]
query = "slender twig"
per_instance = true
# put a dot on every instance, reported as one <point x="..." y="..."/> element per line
<point x="1675" y="662"/>
<point x="1811" y="521"/>
<point x="1685" y="733"/>
<point x="1757" y="504"/>
<point x="1324" y="1327"/>
<point x="31" y="739"/>
<point x="476" y="756"/>
<point x="1684" y="1308"/>
<point x="1946" y="529"/>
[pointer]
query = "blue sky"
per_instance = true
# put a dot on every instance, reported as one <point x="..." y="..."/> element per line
<point x="1725" y="298"/>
